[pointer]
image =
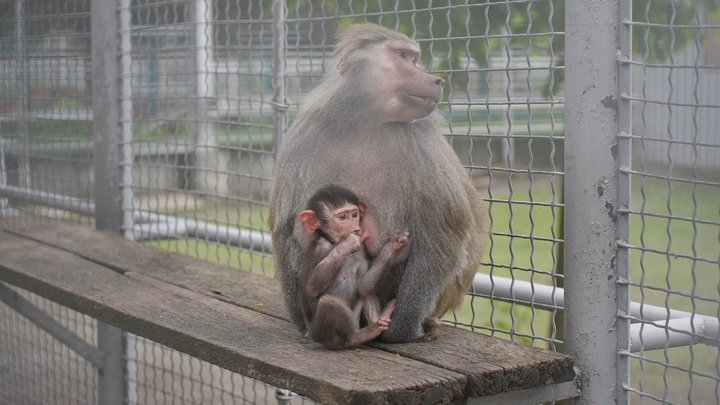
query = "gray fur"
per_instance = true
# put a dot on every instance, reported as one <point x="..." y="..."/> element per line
<point x="406" y="173"/>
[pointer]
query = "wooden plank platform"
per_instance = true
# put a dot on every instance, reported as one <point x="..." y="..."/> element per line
<point x="237" y="320"/>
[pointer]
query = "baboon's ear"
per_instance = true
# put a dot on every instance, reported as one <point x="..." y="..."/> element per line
<point x="309" y="221"/>
<point x="362" y="207"/>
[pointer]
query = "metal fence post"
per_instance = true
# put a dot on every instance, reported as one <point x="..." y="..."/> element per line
<point x="3" y="176"/>
<point x="279" y="100"/>
<point x="207" y="159"/>
<point x="279" y="105"/>
<point x="591" y="196"/>
<point x="624" y="195"/>
<point x="106" y="115"/>
<point x="126" y="117"/>
<point x="108" y="198"/>
<point x="23" y="90"/>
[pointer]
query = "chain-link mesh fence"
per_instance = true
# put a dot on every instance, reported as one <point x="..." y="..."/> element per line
<point x="675" y="210"/>
<point x="198" y="118"/>
<point x="35" y="367"/>
<point x="46" y="145"/>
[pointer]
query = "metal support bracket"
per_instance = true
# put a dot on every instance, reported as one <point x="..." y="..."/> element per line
<point x="533" y="396"/>
<point x="45" y="322"/>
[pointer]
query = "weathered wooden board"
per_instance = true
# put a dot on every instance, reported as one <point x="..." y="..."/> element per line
<point x="238" y="339"/>
<point x="241" y="288"/>
<point x="490" y="365"/>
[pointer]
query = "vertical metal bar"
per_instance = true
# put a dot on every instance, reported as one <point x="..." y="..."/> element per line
<point x="108" y="198"/>
<point x="106" y="110"/>
<point x="22" y="91"/>
<point x="128" y="159"/>
<point x="203" y="51"/>
<point x="126" y="118"/>
<point x="279" y="105"/>
<point x="206" y="155"/>
<point x="507" y="144"/>
<point x="591" y="191"/>
<point x="279" y="100"/>
<point x="624" y="195"/>
<point x="111" y="389"/>
<point x="206" y="152"/>
<point x="3" y="176"/>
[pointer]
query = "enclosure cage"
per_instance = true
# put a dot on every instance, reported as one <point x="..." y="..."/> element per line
<point x="589" y="127"/>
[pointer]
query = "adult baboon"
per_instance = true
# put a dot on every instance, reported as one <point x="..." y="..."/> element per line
<point x="371" y="126"/>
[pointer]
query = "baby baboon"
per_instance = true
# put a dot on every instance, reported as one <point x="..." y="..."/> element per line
<point x="336" y="281"/>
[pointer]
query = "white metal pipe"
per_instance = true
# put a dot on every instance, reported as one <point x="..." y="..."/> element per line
<point x="647" y="312"/>
<point x="676" y="332"/>
<point x="148" y="224"/>
<point x="177" y="226"/>
<point x="63" y="202"/>
<point x="707" y="327"/>
<point x="517" y="290"/>
<point x="158" y="230"/>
